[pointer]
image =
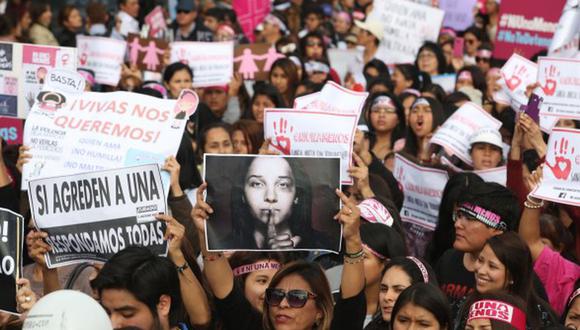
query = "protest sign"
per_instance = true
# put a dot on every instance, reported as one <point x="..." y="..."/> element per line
<point x="23" y="70"/>
<point x="446" y="81"/>
<point x="272" y="202"/>
<point x="336" y="99"/>
<point x="146" y="53"/>
<point x="526" y="29"/>
<point x="212" y="62"/>
<point x="312" y="133"/>
<point x="11" y="130"/>
<point x="156" y="21"/>
<point x="251" y="13"/>
<point x="72" y="133"/>
<point x="254" y="61"/>
<point x="496" y="174"/>
<point x="302" y="102"/>
<point x="566" y="40"/>
<point x="456" y="131"/>
<point x="561" y="182"/>
<point x="340" y="59"/>
<point x="517" y="73"/>
<point x="423" y="189"/>
<point x="560" y="81"/>
<point x="407" y="26"/>
<point x="104" y="56"/>
<point x="458" y="13"/>
<point x="91" y="216"/>
<point x="11" y="242"/>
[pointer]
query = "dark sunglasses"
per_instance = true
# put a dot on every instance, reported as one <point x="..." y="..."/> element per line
<point x="470" y="41"/>
<point x="295" y="298"/>
<point x="482" y="59"/>
<point x="184" y="11"/>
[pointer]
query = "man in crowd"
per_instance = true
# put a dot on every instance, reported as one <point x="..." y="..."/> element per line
<point x="187" y="25"/>
<point x="128" y="13"/>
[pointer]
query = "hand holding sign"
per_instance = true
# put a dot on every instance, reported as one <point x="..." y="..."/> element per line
<point x="201" y="210"/>
<point x="349" y="217"/>
<point x="37" y="247"/>
<point x="360" y="174"/>
<point x="23" y="157"/>
<point x="173" y="233"/>
<point x="25" y="297"/>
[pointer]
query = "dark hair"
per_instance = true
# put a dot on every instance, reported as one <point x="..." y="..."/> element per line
<point x="495" y="198"/>
<point x="514" y="254"/>
<point x="570" y="301"/>
<point x="291" y="71"/>
<point x="436" y="49"/>
<point x="399" y="130"/>
<point x="411" y="143"/>
<point x="410" y="72"/>
<point x="264" y="89"/>
<point x="412" y="270"/>
<point x="189" y="176"/>
<point x="243" y="227"/>
<point x="387" y="82"/>
<point x="381" y="68"/>
<point x="7" y="25"/>
<point x="435" y="89"/>
<point x="426" y="296"/>
<point x="444" y="234"/>
<point x="96" y="12"/>
<point x="316" y="279"/>
<point x="504" y="297"/>
<point x="553" y="229"/>
<point x="172" y="68"/>
<point x="304" y="40"/>
<point x="215" y="12"/>
<point x="477" y="32"/>
<point x="253" y="133"/>
<point x="146" y="276"/>
<point x="203" y="136"/>
<point x="477" y="77"/>
<point x="37" y="8"/>
<point x="383" y="239"/>
<point x="64" y="14"/>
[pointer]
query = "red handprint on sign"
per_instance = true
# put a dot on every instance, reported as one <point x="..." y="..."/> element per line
<point x="563" y="162"/>
<point x="514" y="81"/>
<point x="551" y="74"/>
<point x="282" y="142"/>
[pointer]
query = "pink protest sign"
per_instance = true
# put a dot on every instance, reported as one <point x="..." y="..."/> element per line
<point x="39" y="55"/>
<point x="526" y="29"/>
<point x="250" y="14"/>
<point x="11" y="130"/>
<point x="156" y="21"/>
<point x="255" y="61"/>
<point x="146" y="53"/>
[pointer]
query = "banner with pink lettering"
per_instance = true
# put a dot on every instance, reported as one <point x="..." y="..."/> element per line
<point x="312" y="133"/>
<point x="423" y="189"/>
<point x="561" y="182"/>
<point x="250" y="14"/>
<point x="72" y="133"/>
<point x="11" y="130"/>
<point x="455" y="133"/>
<point x="105" y="56"/>
<point x="559" y="79"/>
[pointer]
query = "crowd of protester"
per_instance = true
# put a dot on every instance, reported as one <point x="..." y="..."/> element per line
<point x="386" y="278"/>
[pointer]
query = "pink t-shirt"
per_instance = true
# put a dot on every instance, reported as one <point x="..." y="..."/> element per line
<point x="558" y="276"/>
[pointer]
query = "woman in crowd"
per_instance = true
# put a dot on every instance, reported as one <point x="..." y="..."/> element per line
<point x="71" y="22"/>
<point x="404" y="77"/>
<point x="399" y="273"/>
<point x="430" y="59"/>
<point x="571" y="315"/>
<point x="176" y="77"/>
<point x="374" y="69"/>
<point x="473" y="37"/>
<point x="425" y="117"/>
<point x="386" y="119"/>
<point x="496" y="311"/>
<point x="421" y="306"/>
<point x="41" y="16"/>
<point x="298" y="296"/>
<point x="247" y="136"/>
<point x="265" y="96"/>
<point x="486" y="149"/>
<point x="471" y="76"/>
<point x="284" y="76"/>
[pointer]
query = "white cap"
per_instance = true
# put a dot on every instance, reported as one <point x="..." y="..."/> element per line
<point x="373" y="26"/>
<point x="67" y="310"/>
<point x="487" y="135"/>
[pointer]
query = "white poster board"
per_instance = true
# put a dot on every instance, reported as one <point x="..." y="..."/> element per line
<point x="559" y="79"/>
<point x="212" y="62"/>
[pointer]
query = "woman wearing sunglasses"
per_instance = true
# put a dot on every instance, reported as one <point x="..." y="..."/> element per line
<point x="298" y="296"/>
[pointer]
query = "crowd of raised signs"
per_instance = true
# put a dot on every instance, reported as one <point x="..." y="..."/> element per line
<point x="498" y="257"/>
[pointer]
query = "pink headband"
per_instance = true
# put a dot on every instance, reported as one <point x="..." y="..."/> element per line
<point x="574" y="295"/>
<point x="158" y="87"/>
<point x="227" y="29"/>
<point x="344" y="15"/>
<point x="272" y="19"/>
<point x="465" y="75"/>
<point x="487" y="217"/>
<point x="88" y="76"/>
<point x="412" y="91"/>
<point x="449" y="32"/>
<point x="484" y="53"/>
<point x="375" y="253"/>
<point x="421" y="267"/>
<point x="374" y="211"/>
<point x="420" y="101"/>
<point x="494" y="72"/>
<point x="263" y="265"/>
<point x="383" y="101"/>
<point x="498" y="310"/>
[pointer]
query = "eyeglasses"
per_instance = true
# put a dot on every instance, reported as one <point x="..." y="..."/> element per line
<point x="295" y="298"/>
<point x="458" y="214"/>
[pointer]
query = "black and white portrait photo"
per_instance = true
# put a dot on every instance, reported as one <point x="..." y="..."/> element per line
<point x="272" y="202"/>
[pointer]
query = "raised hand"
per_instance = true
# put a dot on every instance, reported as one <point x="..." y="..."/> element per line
<point x="349" y="217"/>
<point x="201" y="211"/>
<point x="173" y="233"/>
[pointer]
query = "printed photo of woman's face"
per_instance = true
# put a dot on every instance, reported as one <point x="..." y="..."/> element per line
<point x="270" y="190"/>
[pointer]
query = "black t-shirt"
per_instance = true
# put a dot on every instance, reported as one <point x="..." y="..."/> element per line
<point x="454" y="279"/>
